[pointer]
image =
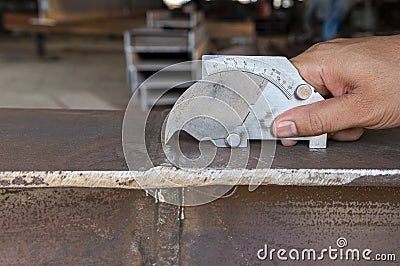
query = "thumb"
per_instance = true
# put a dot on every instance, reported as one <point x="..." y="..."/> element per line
<point x="318" y="118"/>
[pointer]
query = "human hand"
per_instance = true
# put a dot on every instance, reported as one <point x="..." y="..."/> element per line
<point x="362" y="75"/>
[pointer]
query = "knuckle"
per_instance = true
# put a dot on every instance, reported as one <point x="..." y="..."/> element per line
<point x="321" y="46"/>
<point x="313" y="48"/>
<point x="338" y="40"/>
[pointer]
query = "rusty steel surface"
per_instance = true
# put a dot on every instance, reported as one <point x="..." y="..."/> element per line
<point x="124" y="227"/>
<point x="45" y="140"/>
<point x="76" y="227"/>
<point x="51" y="140"/>
<point x="231" y="231"/>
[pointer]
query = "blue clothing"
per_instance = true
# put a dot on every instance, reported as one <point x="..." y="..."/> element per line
<point x="331" y="26"/>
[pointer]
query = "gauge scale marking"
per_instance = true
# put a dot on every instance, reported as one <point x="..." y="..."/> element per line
<point x="253" y="66"/>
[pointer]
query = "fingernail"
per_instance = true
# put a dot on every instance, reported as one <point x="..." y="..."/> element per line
<point x="286" y="129"/>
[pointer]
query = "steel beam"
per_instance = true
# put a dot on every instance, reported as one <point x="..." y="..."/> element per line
<point x="116" y="226"/>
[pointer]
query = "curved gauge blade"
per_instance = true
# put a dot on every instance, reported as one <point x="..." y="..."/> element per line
<point x="215" y="106"/>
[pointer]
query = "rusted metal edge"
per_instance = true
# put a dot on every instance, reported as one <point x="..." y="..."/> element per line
<point x="169" y="177"/>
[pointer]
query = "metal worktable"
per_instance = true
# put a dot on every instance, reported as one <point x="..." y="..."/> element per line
<point x="106" y="223"/>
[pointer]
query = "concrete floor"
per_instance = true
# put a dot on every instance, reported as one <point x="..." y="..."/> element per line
<point x="78" y="73"/>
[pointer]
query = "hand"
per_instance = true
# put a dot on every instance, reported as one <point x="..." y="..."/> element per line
<point x="362" y="75"/>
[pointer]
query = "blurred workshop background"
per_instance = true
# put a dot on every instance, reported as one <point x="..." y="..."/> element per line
<point x="94" y="54"/>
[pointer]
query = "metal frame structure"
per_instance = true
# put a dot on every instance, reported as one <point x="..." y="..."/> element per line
<point x="190" y="42"/>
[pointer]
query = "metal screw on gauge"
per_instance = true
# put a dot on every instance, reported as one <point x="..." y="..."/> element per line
<point x="233" y="140"/>
<point x="303" y="92"/>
